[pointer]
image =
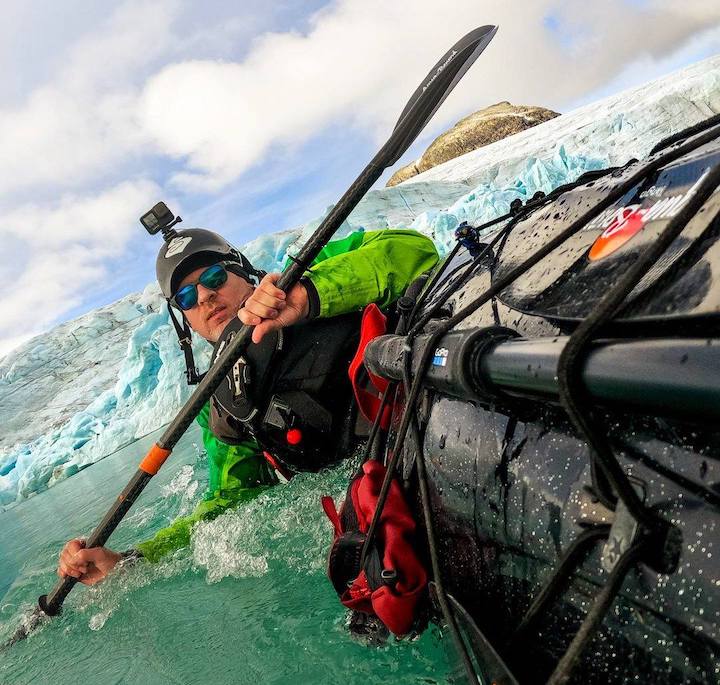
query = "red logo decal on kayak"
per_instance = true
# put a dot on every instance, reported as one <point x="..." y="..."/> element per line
<point x="627" y="222"/>
<point x="622" y="224"/>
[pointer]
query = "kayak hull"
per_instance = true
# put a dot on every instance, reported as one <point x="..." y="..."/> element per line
<point x="510" y="496"/>
<point x="511" y="480"/>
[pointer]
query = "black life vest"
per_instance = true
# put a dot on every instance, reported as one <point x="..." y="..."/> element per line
<point x="291" y="392"/>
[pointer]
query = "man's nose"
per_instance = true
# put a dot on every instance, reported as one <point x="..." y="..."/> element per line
<point x="204" y="294"/>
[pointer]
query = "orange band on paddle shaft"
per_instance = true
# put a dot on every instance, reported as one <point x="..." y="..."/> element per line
<point x="154" y="459"/>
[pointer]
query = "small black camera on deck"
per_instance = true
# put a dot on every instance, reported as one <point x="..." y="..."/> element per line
<point x="160" y="218"/>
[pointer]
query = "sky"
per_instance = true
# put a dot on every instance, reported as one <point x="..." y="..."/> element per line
<point x="253" y="117"/>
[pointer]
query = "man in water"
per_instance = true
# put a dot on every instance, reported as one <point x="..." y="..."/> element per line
<point x="216" y="289"/>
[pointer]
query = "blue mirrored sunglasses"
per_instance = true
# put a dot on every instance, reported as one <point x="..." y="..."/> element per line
<point x="212" y="278"/>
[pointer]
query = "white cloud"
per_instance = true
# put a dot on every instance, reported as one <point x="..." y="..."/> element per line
<point x="51" y="285"/>
<point x="113" y="102"/>
<point x="359" y="60"/>
<point x="103" y="222"/>
<point x="647" y="67"/>
<point x="83" y="124"/>
<point x="122" y="98"/>
<point x="66" y="246"/>
<point x="80" y="124"/>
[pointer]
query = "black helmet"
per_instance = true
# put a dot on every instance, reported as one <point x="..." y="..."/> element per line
<point x="193" y="248"/>
<point x="183" y="252"/>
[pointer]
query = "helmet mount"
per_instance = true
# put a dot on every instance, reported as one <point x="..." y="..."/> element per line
<point x="160" y="219"/>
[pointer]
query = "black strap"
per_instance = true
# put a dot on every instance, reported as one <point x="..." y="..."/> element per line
<point x="184" y="335"/>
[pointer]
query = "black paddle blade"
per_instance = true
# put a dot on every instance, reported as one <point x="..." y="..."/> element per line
<point x="442" y="78"/>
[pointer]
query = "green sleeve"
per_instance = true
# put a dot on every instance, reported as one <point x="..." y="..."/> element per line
<point x="365" y="267"/>
<point x="238" y="473"/>
<point x="177" y="535"/>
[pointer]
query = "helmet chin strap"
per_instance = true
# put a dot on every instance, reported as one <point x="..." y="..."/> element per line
<point x="184" y="334"/>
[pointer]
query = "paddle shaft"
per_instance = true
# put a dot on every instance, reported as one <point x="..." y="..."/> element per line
<point x="422" y="105"/>
<point x="52" y="602"/>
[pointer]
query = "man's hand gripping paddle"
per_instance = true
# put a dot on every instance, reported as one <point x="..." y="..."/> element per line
<point x="422" y="105"/>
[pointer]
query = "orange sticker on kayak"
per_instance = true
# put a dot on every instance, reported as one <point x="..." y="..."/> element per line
<point x="627" y="222"/>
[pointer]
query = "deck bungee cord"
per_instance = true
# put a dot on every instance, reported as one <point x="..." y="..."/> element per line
<point x="467" y="237"/>
<point x="655" y="541"/>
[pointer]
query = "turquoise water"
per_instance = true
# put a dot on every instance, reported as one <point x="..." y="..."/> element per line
<point x="248" y="602"/>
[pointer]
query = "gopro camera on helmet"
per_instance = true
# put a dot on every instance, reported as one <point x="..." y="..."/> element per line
<point x="160" y="218"/>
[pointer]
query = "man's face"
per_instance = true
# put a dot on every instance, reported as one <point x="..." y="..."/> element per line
<point x="215" y="308"/>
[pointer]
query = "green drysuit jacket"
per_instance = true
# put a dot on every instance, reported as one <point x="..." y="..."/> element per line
<point x="347" y="275"/>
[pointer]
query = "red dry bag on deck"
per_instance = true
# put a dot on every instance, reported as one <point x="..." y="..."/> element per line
<point x="393" y="583"/>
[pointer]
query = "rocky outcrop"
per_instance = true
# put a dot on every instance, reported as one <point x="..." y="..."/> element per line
<point x="481" y="128"/>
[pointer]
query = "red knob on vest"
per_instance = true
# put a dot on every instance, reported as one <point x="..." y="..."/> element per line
<point x="294" y="436"/>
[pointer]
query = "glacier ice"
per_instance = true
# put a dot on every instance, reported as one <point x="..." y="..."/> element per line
<point x="80" y="392"/>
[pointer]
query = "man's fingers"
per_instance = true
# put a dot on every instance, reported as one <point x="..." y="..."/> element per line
<point x="248" y="318"/>
<point x="261" y="310"/>
<point x="266" y="300"/>
<point x="70" y="569"/>
<point x="270" y="290"/>
<point x="268" y="284"/>
<point x="65" y="571"/>
<point x="268" y="309"/>
<point x="264" y="328"/>
<point x="89" y="566"/>
<point x="92" y="555"/>
<point x="66" y="563"/>
<point x="73" y="546"/>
